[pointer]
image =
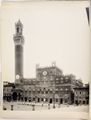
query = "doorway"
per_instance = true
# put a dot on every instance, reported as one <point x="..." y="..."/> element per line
<point x="14" y="96"/>
<point x="50" y="100"/>
<point x="61" y="100"/>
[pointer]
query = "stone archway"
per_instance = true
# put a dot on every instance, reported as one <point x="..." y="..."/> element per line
<point x="50" y="100"/>
<point x="14" y="96"/>
<point x="25" y="99"/>
<point x="61" y="100"/>
<point x="38" y="99"/>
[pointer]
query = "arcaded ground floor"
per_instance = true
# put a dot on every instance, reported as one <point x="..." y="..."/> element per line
<point x="27" y="106"/>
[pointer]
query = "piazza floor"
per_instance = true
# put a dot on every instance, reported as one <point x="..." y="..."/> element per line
<point x="26" y="106"/>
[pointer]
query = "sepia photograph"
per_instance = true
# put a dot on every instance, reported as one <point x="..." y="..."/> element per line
<point x="45" y="56"/>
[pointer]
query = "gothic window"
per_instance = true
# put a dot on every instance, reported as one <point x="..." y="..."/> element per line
<point x="46" y="99"/>
<point x="51" y="78"/>
<point x="61" y="81"/>
<point x="38" y="91"/>
<point x="46" y="92"/>
<point x="29" y="92"/>
<point x="56" y="92"/>
<point x="50" y="91"/>
<point x="41" y="99"/>
<point x="66" y="89"/>
<point x="80" y="92"/>
<point x="83" y="93"/>
<point x="66" y="78"/>
<point x="56" y="100"/>
<point x="33" y="91"/>
<point x="56" y="78"/>
<point x="61" y="89"/>
<point x="25" y="92"/>
<point x="42" y="92"/>
<point x="33" y="99"/>
<point x="57" y="82"/>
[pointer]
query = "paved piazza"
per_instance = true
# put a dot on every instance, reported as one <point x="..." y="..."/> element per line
<point x="39" y="106"/>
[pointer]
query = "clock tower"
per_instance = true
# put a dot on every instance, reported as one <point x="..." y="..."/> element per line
<point x="19" y="42"/>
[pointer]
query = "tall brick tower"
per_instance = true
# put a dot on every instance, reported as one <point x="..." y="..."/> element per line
<point x="19" y="42"/>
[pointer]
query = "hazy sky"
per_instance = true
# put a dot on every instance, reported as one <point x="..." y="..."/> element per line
<point x="56" y="31"/>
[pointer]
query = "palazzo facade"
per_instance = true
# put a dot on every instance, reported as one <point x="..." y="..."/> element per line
<point x="50" y="85"/>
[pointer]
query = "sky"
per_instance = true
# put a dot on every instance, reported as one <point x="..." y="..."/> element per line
<point x="53" y="32"/>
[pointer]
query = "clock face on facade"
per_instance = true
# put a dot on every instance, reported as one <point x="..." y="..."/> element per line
<point x="44" y="73"/>
<point x="17" y="76"/>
